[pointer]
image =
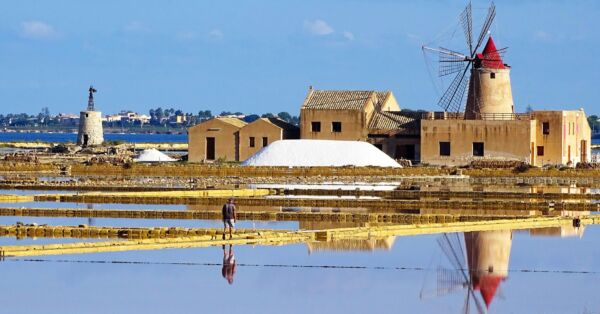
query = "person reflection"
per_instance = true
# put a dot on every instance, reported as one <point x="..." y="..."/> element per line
<point x="228" y="269"/>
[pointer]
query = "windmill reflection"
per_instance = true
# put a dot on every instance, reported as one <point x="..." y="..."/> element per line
<point x="480" y="263"/>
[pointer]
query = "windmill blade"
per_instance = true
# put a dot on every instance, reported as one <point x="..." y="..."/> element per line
<point x="452" y="248"/>
<point x="486" y="27"/>
<point x="467" y="304"/>
<point x="450" y="61"/>
<point x="480" y="308"/>
<point x="466" y="19"/>
<point x="453" y="96"/>
<point x="448" y="281"/>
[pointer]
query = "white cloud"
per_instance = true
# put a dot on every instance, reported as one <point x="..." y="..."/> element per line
<point x="134" y="26"/>
<point x="215" y="34"/>
<point x="186" y="35"/>
<point x="38" y="30"/>
<point x="318" y="27"/>
<point x="543" y="36"/>
<point x="348" y="35"/>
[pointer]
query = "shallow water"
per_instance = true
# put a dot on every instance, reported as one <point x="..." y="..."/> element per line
<point x="547" y="275"/>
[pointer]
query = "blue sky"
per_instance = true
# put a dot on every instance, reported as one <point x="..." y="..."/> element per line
<point x="261" y="56"/>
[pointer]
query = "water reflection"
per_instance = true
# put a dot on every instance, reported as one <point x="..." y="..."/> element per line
<point x="480" y="264"/>
<point x="228" y="269"/>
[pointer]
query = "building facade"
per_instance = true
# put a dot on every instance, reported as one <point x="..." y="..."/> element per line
<point x="262" y="132"/>
<point x="217" y="138"/>
<point x="232" y="139"/>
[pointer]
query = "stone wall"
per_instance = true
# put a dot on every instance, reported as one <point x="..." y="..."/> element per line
<point x="90" y="129"/>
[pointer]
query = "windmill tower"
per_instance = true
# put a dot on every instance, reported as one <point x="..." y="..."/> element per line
<point x="90" y="124"/>
<point x="482" y="76"/>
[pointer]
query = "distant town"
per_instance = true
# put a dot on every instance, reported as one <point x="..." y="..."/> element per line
<point x="158" y="120"/>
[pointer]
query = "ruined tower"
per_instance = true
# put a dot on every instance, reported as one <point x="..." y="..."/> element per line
<point x="489" y="86"/>
<point x="90" y="124"/>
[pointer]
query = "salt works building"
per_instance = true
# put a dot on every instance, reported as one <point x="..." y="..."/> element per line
<point x="487" y="129"/>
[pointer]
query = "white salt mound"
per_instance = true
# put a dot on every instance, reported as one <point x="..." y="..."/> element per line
<point x="320" y="153"/>
<point x="153" y="155"/>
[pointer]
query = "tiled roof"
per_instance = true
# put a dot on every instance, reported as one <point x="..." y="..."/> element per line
<point x="381" y="97"/>
<point x="233" y="121"/>
<point x="394" y="120"/>
<point x="282" y="124"/>
<point x="336" y="99"/>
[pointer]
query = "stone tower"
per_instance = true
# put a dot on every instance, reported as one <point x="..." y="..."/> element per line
<point x="488" y="254"/>
<point x="90" y="124"/>
<point x="489" y="86"/>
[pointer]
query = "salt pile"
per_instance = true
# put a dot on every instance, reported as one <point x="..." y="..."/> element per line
<point x="320" y="153"/>
<point x="153" y="155"/>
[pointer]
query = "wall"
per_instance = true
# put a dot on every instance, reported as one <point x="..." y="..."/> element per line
<point x="226" y="137"/>
<point x="258" y="129"/>
<point x="388" y="144"/>
<point x="500" y="138"/>
<point x="354" y="124"/>
<point x="489" y="95"/>
<point x="566" y="129"/>
<point x="90" y="124"/>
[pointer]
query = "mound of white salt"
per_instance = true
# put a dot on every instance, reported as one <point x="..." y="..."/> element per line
<point x="320" y="153"/>
<point x="153" y="155"/>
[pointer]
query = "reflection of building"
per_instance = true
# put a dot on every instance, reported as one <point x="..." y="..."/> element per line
<point x="488" y="254"/>
<point x="384" y="243"/>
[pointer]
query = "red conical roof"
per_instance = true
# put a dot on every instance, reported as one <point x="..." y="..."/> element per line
<point x="490" y="58"/>
<point x="488" y="285"/>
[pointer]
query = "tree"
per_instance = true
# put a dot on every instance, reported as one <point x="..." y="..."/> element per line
<point x="528" y="109"/>
<point x="267" y="115"/>
<point x="285" y="116"/>
<point x="594" y="123"/>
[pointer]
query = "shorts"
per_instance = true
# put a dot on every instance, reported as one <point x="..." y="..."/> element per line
<point x="230" y="222"/>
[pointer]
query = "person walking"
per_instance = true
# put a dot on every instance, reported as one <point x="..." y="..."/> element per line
<point x="229" y="217"/>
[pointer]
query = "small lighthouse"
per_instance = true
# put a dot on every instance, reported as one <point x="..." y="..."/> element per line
<point x="90" y="124"/>
<point x="489" y="88"/>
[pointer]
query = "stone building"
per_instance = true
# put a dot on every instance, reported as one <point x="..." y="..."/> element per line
<point x="90" y="124"/>
<point x="217" y="138"/>
<point x="342" y="114"/>
<point x="262" y="132"/>
<point x="489" y="128"/>
<point x="232" y="139"/>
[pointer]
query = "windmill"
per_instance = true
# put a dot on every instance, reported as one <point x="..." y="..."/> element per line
<point x="462" y="65"/>
<point x="473" y="267"/>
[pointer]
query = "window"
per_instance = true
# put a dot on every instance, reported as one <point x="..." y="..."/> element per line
<point x="265" y="141"/>
<point x="444" y="148"/>
<point x="315" y="126"/>
<point x="336" y="127"/>
<point x="540" y="150"/>
<point x="478" y="149"/>
<point x="251" y="141"/>
<point x="546" y="128"/>
<point x="492" y="75"/>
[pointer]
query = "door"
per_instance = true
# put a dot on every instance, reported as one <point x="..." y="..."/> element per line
<point x="583" y="151"/>
<point x="405" y="152"/>
<point x="569" y="154"/>
<point x="85" y="139"/>
<point x="210" y="148"/>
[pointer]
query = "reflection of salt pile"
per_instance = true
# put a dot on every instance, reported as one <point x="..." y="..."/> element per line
<point x="311" y="153"/>
<point x="153" y="155"/>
